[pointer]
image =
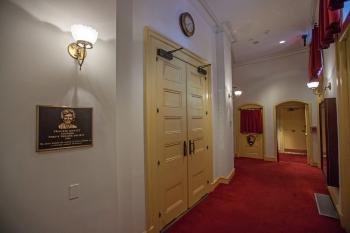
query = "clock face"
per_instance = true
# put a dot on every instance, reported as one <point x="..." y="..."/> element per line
<point x="187" y="24"/>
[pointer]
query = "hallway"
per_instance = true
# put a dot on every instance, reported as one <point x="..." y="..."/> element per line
<point x="119" y="116"/>
<point x="263" y="197"/>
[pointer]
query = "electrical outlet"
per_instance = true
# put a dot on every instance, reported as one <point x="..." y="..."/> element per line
<point x="74" y="191"/>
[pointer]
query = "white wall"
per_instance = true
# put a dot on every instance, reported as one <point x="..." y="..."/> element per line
<point x="35" y="68"/>
<point x="162" y="16"/>
<point x="330" y="71"/>
<point x="222" y="108"/>
<point x="272" y="81"/>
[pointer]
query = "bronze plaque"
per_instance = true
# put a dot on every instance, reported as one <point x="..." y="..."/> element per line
<point x="251" y="139"/>
<point x="63" y="127"/>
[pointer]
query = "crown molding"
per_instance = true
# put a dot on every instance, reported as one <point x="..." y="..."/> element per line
<point x="203" y="13"/>
<point x="208" y="13"/>
<point x="270" y="58"/>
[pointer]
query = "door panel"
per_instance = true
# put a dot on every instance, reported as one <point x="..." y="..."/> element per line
<point x="198" y="160"/>
<point x="171" y="135"/>
<point x="294" y="127"/>
<point x="251" y="151"/>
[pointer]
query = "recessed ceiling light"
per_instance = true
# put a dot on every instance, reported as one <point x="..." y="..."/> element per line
<point x="282" y="42"/>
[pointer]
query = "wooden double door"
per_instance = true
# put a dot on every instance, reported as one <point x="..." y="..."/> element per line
<point x="181" y="137"/>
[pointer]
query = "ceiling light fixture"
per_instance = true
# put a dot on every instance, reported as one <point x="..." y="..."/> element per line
<point x="282" y="42"/>
<point x="85" y="38"/>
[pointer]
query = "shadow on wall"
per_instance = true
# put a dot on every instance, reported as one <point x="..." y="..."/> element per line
<point x="28" y="35"/>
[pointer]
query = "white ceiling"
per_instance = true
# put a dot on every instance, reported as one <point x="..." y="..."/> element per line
<point x="257" y="26"/>
<point x="101" y="15"/>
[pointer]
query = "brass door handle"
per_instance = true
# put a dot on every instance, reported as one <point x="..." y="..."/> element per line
<point x="185" y="148"/>
<point x="194" y="147"/>
<point x="190" y="147"/>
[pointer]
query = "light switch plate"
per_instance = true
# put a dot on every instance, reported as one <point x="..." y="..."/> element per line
<point x="74" y="191"/>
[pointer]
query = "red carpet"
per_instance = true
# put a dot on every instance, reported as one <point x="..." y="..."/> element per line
<point x="295" y="158"/>
<point x="263" y="197"/>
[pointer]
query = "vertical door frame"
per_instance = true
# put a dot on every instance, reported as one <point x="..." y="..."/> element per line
<point x="343" y="99"/>
<point x="308" y="121"/>
<point x="237" y="127"/>
<point x="150" y="38"/>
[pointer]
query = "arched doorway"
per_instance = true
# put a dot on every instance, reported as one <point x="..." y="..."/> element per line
<point x="293" y="132"/>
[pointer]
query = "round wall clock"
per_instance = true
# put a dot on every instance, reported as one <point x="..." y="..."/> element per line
<point x="187" y="24"/>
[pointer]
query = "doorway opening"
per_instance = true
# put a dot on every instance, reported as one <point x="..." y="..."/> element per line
<point x="250" y="132"/>
<point x="293" y="132"/>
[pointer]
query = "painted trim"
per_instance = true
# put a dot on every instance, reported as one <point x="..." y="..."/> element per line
<point x="295" y="151"/>
<point x="152" y="229"/>
<point x="270" y="159"/>
<point x="334" y="193"/>
<point x="315" y="164"/>
<point x="343" y="107"/>
<point x="270" y="58"/>
<point x="223" y="179"/>
<point x="220" y="26"/>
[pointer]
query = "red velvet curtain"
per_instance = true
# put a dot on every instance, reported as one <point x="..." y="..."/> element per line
<point x="336" y="4"/>
<point x="329" y="23"/>
<point x="251" y="121"/>
<point x="315" y="59"/>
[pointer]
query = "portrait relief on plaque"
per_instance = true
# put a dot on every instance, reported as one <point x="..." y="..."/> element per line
<point x="68" y="117"/>
<point x="63" y="127"/>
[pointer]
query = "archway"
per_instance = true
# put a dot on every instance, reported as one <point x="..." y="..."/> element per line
<point x="293" y="139"/>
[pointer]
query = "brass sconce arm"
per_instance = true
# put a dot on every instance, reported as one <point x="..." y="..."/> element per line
<point x="78" y="51"/>
<point x="85" y="37"/>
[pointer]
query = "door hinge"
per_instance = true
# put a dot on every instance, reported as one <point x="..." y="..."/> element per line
<point x="206" y="113"/>
<point x="207" y="181"/>
<point x="207" y="147"/>
<point x="205" y="78"/>
<point x="157" y="58"/>
<point x="158" y="163"/>
<point x="157" y="110"/>
<point x="159" y="214"/>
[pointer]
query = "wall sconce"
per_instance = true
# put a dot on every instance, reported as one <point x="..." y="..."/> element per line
<point x="237" y="91"/>
<point x="85" y="38"/>
<point x="313" y="85"/>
